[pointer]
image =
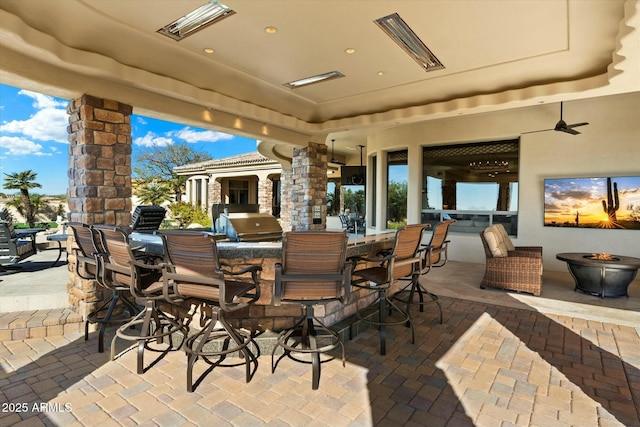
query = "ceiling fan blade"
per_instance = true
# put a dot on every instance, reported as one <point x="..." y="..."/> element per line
<point x="536" y="131"/>
<point x="575" y="125"/>
<point x="569" y="131"/>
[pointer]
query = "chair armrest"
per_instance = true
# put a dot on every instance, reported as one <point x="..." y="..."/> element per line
<point x="253" y="268"/>
<point x="31" y="235"/>
<point x="528" y="251"/>
<point x="382" y="259"/>
<point x="529" y="248"/>
<point x="429" y="246"/>
<point x="142" y="264"/>
<point x="406" y="261"/>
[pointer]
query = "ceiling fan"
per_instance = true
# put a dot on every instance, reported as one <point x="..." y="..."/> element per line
<point x="333" y="157"/>
<point x="562" y="126"/>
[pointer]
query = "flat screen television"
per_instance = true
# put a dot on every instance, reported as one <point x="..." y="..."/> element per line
<point x="353" y="175"/>
<point x="598" y="202"/>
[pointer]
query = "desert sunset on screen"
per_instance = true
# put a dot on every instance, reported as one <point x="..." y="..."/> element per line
<point x="603" y="202"/>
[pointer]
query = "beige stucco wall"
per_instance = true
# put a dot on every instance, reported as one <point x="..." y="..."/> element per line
<point x="609" y="146"/>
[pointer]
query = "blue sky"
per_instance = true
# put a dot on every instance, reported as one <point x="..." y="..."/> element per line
<point x="33" y="135"/>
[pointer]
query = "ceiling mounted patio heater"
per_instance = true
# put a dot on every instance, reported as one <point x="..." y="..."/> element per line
<point x="196" y="20"/>
<point x="398" y="30"/>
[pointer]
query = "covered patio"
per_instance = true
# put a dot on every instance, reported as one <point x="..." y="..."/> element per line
<point x="499" y="358"/>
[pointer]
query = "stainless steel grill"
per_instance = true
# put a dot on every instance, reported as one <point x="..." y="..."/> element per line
<point x="244" y="222"/>
<point x="251" y="227"/>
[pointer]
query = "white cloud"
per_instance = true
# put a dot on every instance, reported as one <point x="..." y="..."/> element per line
<point x="16" y="146"/>
<point x="153" y="140"/>
<point x="190" y="135"/>
<point x="42" y="102"/>
<point x="48" y="123"/>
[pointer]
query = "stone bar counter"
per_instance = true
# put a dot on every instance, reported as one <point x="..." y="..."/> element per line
<point x="264" y="315"/>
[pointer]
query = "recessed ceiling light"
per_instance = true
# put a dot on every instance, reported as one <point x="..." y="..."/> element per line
<point x="270" y="30"/>
<point x="404" y="36"/>
<point x="349" y="50"/>
<point x="208" y="50"/>
<point x="196" y="20"/>
<point x="380" y="73"/>
<point x="314" y="79"/>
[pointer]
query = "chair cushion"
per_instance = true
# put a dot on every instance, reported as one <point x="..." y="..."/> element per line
<point x="505" y="237"/>
<point x="495" y="241"/>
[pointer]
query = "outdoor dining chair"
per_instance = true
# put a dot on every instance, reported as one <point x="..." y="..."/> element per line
<point x="192" y="273"/>
<point x="403" y="261"/>
<point x="313" y="271"/>
<point x="88" y="255"/>
<point x="433" y="254"/>
<point x="120" y="267"/>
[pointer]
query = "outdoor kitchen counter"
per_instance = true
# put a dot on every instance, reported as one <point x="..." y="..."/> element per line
<point x="264" y="315"/>
<point x="361" y="245"/>
<point x="356" y="246"/>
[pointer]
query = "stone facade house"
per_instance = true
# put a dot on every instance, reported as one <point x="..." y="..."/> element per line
<point x="245" y="178"/>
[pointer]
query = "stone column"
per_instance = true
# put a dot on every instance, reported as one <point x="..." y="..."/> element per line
<point x="286" y="176"/>
<point x="99" y="177"/>
<point x="214" y="196"/>
<point x="309" y="188"/>
<point x="99" y="161"/>
<point x="265" y="195"/>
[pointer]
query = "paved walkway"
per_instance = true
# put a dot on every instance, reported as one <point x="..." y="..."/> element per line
<point x="486" y="365"/>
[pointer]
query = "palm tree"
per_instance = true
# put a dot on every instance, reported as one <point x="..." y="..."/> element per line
<point x="153" y="193"/>
<point x="38" y="202"/>
<point x="23" y="181"/>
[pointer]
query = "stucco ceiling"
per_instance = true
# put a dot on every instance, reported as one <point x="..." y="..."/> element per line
<point x="497" y="54"/>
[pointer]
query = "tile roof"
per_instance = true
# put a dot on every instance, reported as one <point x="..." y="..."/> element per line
<point x="253" y="158"/>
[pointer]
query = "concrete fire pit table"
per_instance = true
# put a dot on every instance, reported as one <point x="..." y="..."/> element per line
<point x="601" y="274"/>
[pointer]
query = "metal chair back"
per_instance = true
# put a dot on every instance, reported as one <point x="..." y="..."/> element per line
<point x="313" y="267"/>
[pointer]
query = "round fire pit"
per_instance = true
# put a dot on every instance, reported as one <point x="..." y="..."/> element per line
<point x="600" y="274"/>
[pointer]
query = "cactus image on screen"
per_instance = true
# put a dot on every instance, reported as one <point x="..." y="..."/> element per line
<point x="612" y="204"/>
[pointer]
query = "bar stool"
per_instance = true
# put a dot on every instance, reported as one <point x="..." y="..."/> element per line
<point x="192" y="273"/>
<point x="402" y="261"/>
<point x="88" y="267"/>
<point x="433" y="254"/>
<point x="313" y="271"/>
<point x="121" y="267"/>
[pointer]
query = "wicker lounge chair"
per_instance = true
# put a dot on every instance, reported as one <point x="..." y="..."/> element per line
<point x="515" y="268"/>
